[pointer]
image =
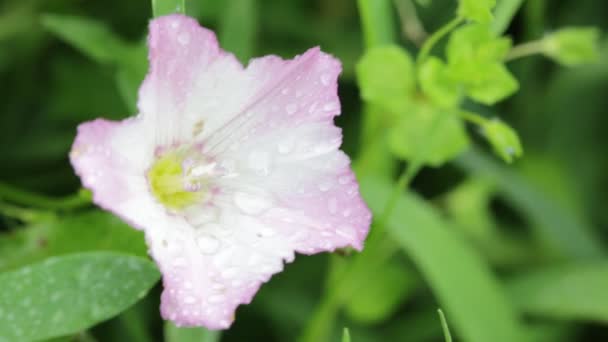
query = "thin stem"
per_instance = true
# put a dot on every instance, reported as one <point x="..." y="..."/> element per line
<point x="436" y="37"/>
<point x="444" y="326"/>
<point x="411" y="26"/>
<point x="474" y="118"/>
<point x="23" y="197"/>
<point x="24" y="214"/>
<point x="526" y="49"/>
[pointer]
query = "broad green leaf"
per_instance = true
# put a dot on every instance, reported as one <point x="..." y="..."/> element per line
<point x="566" y="233"/>
<point x="503" y="15"/>
<point x="346" y="335"/>
<point x="131" y="73"/>
<point x="165" y="7"/>
<point x="378" y="300"/>
<point x="462" y="282"/>
<point x="476" y="10"/>
<point x="67" y="294"/>
<point x="430" y="134"/>
<point x="89" y="36"/>
<point x="238" y="27"/>
<point x="476" y="44"/>
<point x="178" y="334"/>
<point x="386" y="77"/>
<point x="573" y="45"/>
<point x="475" y="57"/>
<point x="503" y="138"/>
<point x="438" y="84"/>
<point x="566" y="292"/>
<point x="492" y="83"/>
<point x="94" y="230"/>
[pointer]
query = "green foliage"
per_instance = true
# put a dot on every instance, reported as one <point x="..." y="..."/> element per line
<point x="386" y="75"/>
<point x="492" y="244"/>
<point x="64" y="295"/>
<point x="238" y="27"/>
<point x="176" y="334"/>
<point x="475" y="57"/>
<point x="438" y="83"/>
<point x="567" y="292"/>
<point x="95" y="230"/>
<point x="346" y="335"/>
<point x="476" y="10"/>
<point x="460" y="279"/>
<point x="382" y="297"/>
<point x="503" y="138"/>
<point x="444" y="326"/>
<point x="164" y="7"/>
<point x="428" y="134"/>
<point x="91" y="37"/>
<point x="573" y="45"/>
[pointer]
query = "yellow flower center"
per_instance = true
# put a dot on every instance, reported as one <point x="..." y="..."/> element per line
<point x="177" y="182"/>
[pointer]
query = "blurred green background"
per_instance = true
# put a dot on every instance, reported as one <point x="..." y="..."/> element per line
<point x="534" y="232"/>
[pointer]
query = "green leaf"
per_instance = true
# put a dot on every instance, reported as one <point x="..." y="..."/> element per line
<point x="503" y="139"/>
<point x="566" y="292"/>
<point x="573" y="45"/>
<point x="476" y="44"/>
<point x="67" y="294"/>
<point x="492" y="84"/>
<point x="462" y="282"/>
<point x="345" y="335"/>
<point x="238" y="27"/>
<point x="378" y="300"/>
<point x="91" y="37"/>
<point x="131" y="73"/>
<point x="431" y="134"/>
<point x="565" y="232"/>
<point x="386" y="77"/>
<point x="438" y="84"/>
<point x="178" y="334"/>
<point x="96" y="230"/>
<point x="165" y="7"/>
<point x="476" y="10"/>
<point x="475" y="58"/>
<point x="504" y="12"/>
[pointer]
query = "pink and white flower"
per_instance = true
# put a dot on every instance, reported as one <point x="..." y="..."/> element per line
<point x="228" y="170"/>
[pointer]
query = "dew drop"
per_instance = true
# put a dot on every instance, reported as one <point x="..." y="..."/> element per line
<point x="291" y="108"/>
<point x="216" y="298"/>
<point x="207" y="244"/>
<point x="332" y="205"/>
<point x="344" y="179"/>
<point x="183" y="38"/>
<point x="325" y="186"/>
<point x="325" y="79"/>
<point x="284" y="147"/>
<point x="189" y="300"/>
<point x="330" y="106"/>
<point x="251" y="204"/>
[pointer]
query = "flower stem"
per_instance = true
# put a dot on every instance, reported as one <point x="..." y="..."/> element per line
<point x="23" y="197"/>
<point x="526" y="49"/>
<point x="474" y="118"/>
<point x="428" y="44"/>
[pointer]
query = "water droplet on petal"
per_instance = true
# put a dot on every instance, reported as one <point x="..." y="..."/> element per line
<point x="344" y="179"/>
<point x="332" y="205"/>
<point x="189" y="300"/>
<point x="330" y="106"/>
<point x="183" y="38"/>
<point x="325" y="186"/>
<point x="217" y="298"/>
<point x="207" y="244"/>
<point x="291" y="108"/>
<point x="251" y="204"/>
<point x="325" y="79"/>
